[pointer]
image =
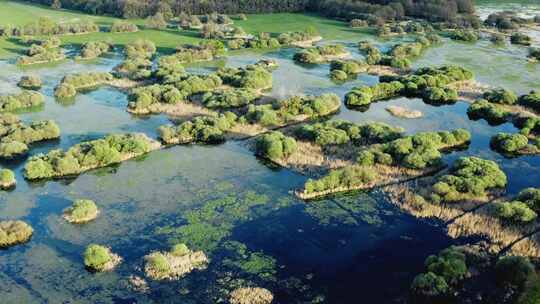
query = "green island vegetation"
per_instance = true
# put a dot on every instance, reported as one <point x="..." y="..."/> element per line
<point x="174" y="264"/>
<point x="469" y="179"/>
<point x="339" y="132"/>
<point x="138" y="64"/>
<point x="275" y="145"/>
<point x="15" y="136"/>
<point x="341" y="70"/>
<point x="534" y="54"/>
<point x="98" y="258"/>
<point x="153" y="98"/>
<point x="259" y="41"/>
<point x="464" y="35"/>
<point x="43" y="51"/>
<point x="30" y="82"/>
<point x="81" y="211"/>
<point x="291" y="110"/>
<point x="444" y="272"/>
<point x="400" y="55"/>
<point x="430" y="84"/>
<point x="338" y="156"/>
<point x="206" y="50"/>
<point x="14" y="232"/>
<point x="254" y="295"/>
<point x="492" y="113"/>
<point x="7" y="179"/>
<point x="507" y="21"/>
<point x="321" y="54"/>
<point x="95" y="49"/>
<point x="458" y="272"/>
<point x="521" y="39"/>
<point x="88" y="155"/>
<point x="122" y="26"/>
<point x="521" y="209"/>
<point x="419" y="153"/>
<point x="21" y="101"/>
<point x="514" y="144"/>
<point x="225" y="99"/>
<point x="202" y="129"/>
<point x="498" y="39"/>
<point x="255" y="76"/>
<point x="71" y="84"/>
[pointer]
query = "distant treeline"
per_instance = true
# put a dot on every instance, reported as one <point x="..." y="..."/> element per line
<point x="435" y="10"/>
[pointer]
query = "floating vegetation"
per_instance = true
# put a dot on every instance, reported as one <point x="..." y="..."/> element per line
<point x="70" y="84"/>
<point x="320" y="54"/>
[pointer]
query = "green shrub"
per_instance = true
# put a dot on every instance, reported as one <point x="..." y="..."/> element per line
<point x="275" y="145"/>
<point x="206" y="129"/>
<point x="464" y="35"/>
<point x="137" y="68"/>
<point x="443" y="272"/>
<point x="87" y="155"/>
<point x="96" y="257"/>
<point x="483" y="109"/>
<point x="7" y="179"/>
<point x="158" y="264"/>
<point x="372" y="54"/>
<point x="65" y="90"/>
<point x="534" y="54"/>
<point x="319" y="54"/>
<point x="292" y="37"/>
<point x="14" y="232"/>
<point x="120" y="26"/>
<point x="348" y="177"/>
<point x="515" y="212"/>
<point x="514" y="271"/>
<point x="23" y="100"/>
<point x="429" y="285"/>
<point x="501" y="96"/>
<point x="284" y="111"/>
<point x="94" y="49"/>
<point x="531" y="100"/>
<point x="417" y="151"/>
<point x="521" y="39"/>
<point x="81" y="211"/>
<point x="12" y="149"/>
<point x="338" y="75"/>
<point x="229" y="98"/>
<point x="470" y="178"/>
<point x="30" y="82"/>
<point x="180" y="250"/>
<point x="71" y="83"/>
<point x="140" y="48"/>
<point x="509" y="143"/>
<point x="336" y="132"/>
<point x="364" y="95"/>
<point x="251" y="77"/>
<point x="349" y="67"/>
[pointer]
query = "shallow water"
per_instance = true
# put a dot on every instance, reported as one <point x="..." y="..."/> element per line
<point x="238" y="209"/>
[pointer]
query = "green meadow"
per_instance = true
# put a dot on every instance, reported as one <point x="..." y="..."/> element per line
<point x="14" y="13"/>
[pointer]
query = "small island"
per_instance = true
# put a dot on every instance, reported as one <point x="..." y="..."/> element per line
<point x="82" y="211"/>
<point x="98" y="258"/>
<point x="174" y="264"/>
<point x="14" y="232"/>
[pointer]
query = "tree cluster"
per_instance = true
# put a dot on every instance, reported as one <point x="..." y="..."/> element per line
<point x="87" y="155"/>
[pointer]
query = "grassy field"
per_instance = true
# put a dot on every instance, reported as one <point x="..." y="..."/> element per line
<point x="16" y="13"/>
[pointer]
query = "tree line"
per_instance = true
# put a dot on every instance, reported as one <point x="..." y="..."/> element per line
<point x="435" y="10"/>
